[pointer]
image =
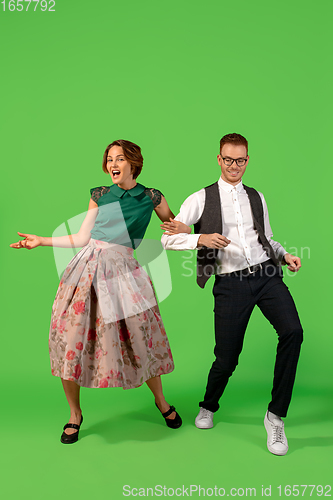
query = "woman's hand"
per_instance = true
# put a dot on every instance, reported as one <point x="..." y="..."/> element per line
<point x="175" y="227"/>
<point x="30" y="241"/>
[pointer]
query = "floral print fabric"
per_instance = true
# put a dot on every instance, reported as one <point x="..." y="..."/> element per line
<point x="106" y="329"/>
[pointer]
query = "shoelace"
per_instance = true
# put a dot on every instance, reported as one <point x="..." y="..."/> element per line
<point x="205" y="413"/>
<point x="278" y="434"/>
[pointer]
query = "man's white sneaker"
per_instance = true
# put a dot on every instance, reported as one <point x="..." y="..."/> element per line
<point x="204" y="419"/>
<point x="276" y="439"/>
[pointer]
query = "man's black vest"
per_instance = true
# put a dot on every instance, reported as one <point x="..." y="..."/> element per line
<point x="211" y="222"/>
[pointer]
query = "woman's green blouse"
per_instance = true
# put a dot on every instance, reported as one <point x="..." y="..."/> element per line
<point x="123" y="215"/>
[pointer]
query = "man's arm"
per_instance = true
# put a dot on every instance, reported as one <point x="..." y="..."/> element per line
<point x="294" y="263"/>
<point x="190" y="212"/>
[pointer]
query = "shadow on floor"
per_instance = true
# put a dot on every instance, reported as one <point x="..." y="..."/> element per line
<point x="131" y="427"/>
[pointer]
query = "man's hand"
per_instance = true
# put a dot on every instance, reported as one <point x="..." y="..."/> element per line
<point x="293" y="261"/>
<point x="214" y="240"/>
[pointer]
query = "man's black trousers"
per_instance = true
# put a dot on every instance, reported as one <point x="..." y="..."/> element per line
<point x="236" y="295"/>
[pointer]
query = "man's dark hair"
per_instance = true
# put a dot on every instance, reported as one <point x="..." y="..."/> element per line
<point x="235" y="139"/>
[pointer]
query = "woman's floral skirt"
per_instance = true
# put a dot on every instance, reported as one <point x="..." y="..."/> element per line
<point x="106" y="328"/>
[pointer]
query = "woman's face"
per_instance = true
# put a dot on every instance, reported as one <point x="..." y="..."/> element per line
<point x="119" y="167"/>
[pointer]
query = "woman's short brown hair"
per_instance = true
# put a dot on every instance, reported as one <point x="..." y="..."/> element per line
<point x="132" y="153"/>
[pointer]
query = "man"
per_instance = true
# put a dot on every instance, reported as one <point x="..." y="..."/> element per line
<point x="234" y="241"/>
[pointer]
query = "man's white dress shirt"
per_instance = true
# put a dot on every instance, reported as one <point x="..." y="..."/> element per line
<point x="237" y="225"/>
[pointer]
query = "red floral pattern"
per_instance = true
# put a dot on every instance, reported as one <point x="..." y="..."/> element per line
<point x="87" y="347"/>
<point x="92" y="334"/>
<point x="103" y="383"/>
<point x="99" y="354"/>
<point x="77" y="371"/>
<point x="123" y="333"/>
<point x="79" y="307"/>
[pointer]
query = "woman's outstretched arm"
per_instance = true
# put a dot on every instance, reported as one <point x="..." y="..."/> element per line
<point x="73" y="240"/>
<point x="164" y="213"/>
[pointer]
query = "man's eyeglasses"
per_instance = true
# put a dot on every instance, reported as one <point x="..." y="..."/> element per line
<point x="240" y="162"/>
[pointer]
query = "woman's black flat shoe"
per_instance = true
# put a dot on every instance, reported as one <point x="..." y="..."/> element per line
<point x="71" y="438"/>
<point x="173" y="423"/>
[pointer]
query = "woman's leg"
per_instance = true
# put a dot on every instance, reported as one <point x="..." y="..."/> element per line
<point x="72" y="392"/>
<point x="155" y="385"/>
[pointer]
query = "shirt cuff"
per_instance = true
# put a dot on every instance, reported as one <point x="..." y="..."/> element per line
<point x="280" y="254"/>
<point x="193" y="241"/>
<point x="181" y="241"/>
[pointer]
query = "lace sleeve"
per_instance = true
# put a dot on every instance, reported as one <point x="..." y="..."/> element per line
<point x="97" y="192"/>
<point x="155" y="195"/>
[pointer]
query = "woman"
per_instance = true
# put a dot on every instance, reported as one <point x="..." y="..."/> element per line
<point x="106" y="329"/>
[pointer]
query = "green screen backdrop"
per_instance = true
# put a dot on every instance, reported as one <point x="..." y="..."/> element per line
<point x="173" y="77"/>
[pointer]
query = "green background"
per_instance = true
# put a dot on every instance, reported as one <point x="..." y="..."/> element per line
<point x="173" y="77"/>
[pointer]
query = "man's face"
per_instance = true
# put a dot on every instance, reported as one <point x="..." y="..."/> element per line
<point x="232" y="173"/>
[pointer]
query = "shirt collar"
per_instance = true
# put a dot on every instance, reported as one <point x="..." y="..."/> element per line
<point x="119" y="192"/>
<point x="229" y="187"/>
